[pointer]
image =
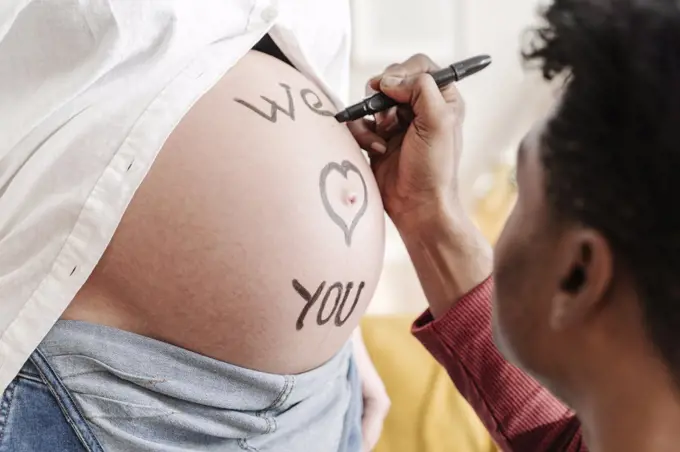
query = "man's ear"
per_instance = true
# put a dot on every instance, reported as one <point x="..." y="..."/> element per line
<point x="585" y="276"/>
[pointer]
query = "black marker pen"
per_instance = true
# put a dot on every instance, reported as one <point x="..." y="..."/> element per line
<point x="381" y="102"/>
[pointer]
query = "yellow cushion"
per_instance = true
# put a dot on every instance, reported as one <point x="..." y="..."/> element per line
<point x="428" y="414"/>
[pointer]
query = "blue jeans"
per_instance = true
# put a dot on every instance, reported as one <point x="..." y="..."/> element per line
<point x="38" y="413"/>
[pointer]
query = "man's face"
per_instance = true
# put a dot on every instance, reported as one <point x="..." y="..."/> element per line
<point x="527" y="267"/>
<point x="559" y="294"/>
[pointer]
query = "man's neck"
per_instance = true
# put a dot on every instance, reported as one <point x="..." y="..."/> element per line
<point x="640" y="411"/>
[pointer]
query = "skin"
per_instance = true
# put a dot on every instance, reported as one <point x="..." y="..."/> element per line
<point x="231" y="214"/>
<point x="414" y="156"/>
<point x="565" y="308"/>
<point x="256" y="326"/>
<point x="586" y="342"/>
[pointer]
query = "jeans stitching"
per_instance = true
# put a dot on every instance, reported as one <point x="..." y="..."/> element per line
<point x="243" y="444"/>
<point x="76" y="428"/>
<point x="279" y="398"/>
<point x="5" y="406"/>
<point x="288" y="385"/>
<point x="29" y="377"/>
<point x="283" y="396"/>
<point x="67" y="415"/>
<point x="285" y="392"/>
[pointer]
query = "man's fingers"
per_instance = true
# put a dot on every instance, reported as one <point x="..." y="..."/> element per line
<point x="420" y="91"/>
<point x="417" y="64"/>
<point x="386" y="122"/>
<point x="404" y="115"/>
<point x="409" y="83"/>
<point x="371" y="88"/>
<point x="366" y="136"/>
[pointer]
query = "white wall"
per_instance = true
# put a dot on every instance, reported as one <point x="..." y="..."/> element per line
<point x="502" y="101"/>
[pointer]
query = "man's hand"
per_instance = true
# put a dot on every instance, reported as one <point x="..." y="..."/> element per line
<point x="416" y="147"/>
<point x="376" y="400"/>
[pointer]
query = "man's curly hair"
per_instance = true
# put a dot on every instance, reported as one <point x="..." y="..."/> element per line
<point x="611" y="150"/>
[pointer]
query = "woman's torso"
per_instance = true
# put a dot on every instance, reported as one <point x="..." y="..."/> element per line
<point x="255" y="231"/>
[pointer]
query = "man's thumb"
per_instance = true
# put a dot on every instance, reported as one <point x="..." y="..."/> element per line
<point x="419" y="91"/>
<point x="395" y="87"/>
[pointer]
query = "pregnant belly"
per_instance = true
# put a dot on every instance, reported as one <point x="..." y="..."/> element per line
<point x="257" y="237"/>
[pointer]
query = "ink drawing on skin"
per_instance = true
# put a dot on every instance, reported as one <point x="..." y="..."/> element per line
<point x="316" y="106"/>
<point x="345" y="212"/>
<point x="308" y="96"/>
<point x="333" y="303"/>
<point x="274" y="107"/>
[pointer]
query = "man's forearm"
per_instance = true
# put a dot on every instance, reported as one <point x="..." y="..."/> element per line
<point x="449" y="254"/>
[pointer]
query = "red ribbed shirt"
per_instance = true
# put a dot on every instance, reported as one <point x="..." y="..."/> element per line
<point x="520" y="414"/>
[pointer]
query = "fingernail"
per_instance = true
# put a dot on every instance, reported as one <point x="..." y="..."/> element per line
<point x="379" y="147"/>
<point x="379" y="117"/>
<point x="390" y="81"/>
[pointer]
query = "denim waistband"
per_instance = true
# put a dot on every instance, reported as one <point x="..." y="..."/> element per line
<point x="142" y="394"/>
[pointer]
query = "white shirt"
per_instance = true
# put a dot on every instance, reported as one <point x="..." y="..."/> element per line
<point x="89" y="92"/>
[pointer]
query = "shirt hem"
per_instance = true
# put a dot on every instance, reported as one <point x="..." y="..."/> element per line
<point x="110" y="197"/>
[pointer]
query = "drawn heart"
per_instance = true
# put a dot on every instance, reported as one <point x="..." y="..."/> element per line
<point x="344" y="169"/>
